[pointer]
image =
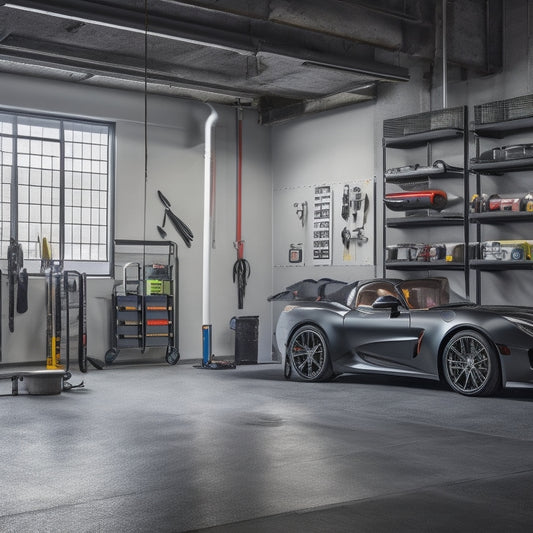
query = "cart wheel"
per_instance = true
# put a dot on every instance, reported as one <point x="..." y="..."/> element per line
<point x="173" y="356"/>
<point x="82" y="362"/>
<point x="67" y="375"/>
<point x="110" y="356"/>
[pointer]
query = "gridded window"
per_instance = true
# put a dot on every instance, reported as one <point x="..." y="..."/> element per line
<point x="55" y="177"/>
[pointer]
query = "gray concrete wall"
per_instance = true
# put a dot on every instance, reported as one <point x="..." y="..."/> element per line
<point x="328" y="147"/>
<point x="175" y="166"/>
<point x="303" y="152"/>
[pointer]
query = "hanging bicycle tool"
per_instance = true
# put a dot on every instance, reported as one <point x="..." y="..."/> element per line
<point x="75" y="312"/>
<point x="182" y="228"/>
<point x="353" y="203"/>
<point x="301" y="212"/>
<point x="241" y="268"/>
<point x="53" y="318"/>
<point x="17" y="276"/>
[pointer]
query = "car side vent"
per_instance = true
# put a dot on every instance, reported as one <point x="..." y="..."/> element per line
<point x="530" y="355"/>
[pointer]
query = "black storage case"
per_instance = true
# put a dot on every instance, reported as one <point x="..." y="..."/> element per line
<point x="246" y="340"/>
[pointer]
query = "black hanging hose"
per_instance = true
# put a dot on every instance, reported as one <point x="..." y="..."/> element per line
<point x="241" y="268"/>
<point x="241" y="273"/>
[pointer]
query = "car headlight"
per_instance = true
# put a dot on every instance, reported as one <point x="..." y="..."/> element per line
<point x="524" y="325"/>
<point x="288" y="308"/>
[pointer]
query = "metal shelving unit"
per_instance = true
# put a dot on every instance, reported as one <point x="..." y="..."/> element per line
<point x="424" y="130"/>
<point x="497" y="120"/>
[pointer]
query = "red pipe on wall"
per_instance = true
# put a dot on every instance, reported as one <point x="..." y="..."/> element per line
<point x="238" y="237"/>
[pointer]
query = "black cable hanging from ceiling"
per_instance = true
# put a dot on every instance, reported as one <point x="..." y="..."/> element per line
<point x="145" y="127"/>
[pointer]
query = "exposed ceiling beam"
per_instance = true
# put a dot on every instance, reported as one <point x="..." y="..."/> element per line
<point x="269" y="115"/>
<point x="388" y="12"/>
<point x="40" y="54"/>
<point x="262" y="37"/>
<point x="132" y="20"/>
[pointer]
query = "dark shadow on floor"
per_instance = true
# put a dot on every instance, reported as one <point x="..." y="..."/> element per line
<point x="274" y="372"/>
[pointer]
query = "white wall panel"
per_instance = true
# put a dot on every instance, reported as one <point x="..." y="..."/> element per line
<point x="175" y="166"/>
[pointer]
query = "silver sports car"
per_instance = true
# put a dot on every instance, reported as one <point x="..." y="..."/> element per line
<point x="415" y="327"/>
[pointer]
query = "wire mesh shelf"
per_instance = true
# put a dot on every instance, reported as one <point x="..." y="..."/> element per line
<point x="450" y="118"/>
<point x="504" y="110"/>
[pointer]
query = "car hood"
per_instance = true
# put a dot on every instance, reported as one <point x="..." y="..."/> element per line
<point x="514" y="311"/>
<point x="525" y="313"/>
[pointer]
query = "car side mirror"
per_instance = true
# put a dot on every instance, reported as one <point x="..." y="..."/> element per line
<point x="388" y="302"/>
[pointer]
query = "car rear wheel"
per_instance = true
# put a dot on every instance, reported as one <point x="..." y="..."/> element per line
<point x="470" y="364"/>
<point x="308" y="355"/>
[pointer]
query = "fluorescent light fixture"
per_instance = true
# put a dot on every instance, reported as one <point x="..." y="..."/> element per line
<point x="97" y="22"/>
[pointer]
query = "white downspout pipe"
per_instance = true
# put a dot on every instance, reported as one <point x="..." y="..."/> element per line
<point x="444" y="55"/>
<point x="206" y="270"/>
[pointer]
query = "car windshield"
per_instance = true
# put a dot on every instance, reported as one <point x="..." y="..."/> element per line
<point x="428" y="293"/>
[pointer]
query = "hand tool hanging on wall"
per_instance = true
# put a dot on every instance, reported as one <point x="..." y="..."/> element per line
<point x="56" y="339"/>
<point x="46" y="254"/>
<point x="49" y="319"/>
<point x="15" y="259"/>
<point x="353" y="202"/>
<point x="53" y="279"/>
<point x="82" y="325"/>
<point x="301" y="212"/>
<point x="22" y="291"/>
<point x="241" y="268"/>
<point x="17" y="276"/>
<point x="180" y="226"/>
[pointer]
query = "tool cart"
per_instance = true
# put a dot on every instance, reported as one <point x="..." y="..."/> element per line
<point x="144" y="299"/>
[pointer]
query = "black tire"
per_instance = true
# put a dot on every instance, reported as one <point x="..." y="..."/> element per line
<point x="470" y="364"/>
<point x="82" y="362"/>
<point x="308" y="355"/>
<point x="110" y="356"/>
<point x="173" y="356"/>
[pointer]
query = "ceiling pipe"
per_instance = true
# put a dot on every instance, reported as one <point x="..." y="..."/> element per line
<point x="400" y="15"/>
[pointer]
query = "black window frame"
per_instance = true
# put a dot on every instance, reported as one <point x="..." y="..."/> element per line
<point x="101" y="265"/>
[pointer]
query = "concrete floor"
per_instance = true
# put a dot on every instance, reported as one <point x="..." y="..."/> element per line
<point x="168" y="449"/>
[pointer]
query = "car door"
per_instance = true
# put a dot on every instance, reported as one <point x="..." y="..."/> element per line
<point x="380" y="336"/>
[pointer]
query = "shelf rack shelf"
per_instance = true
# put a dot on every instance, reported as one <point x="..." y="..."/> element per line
<point x="423" y="265"/>
<point x="483" y="264"/>
<point x="421" y="175"/>
<point x="496" y="120"/>
<point x="497" y="217"/>
<point x="424" y="130"/>
<point x="427" y="220"/>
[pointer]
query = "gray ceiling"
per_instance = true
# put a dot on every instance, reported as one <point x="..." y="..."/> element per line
<point x="282" y="57"/>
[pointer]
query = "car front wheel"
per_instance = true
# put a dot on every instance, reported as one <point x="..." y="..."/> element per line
<point x="308" y="355"/>
<point x="470" y="364"/>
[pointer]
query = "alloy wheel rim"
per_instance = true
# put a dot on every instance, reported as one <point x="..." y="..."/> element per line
<point x="468" y="364"/>
<point x="308" y="354"/>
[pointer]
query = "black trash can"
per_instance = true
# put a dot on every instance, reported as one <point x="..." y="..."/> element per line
<point x="246" y="339"/>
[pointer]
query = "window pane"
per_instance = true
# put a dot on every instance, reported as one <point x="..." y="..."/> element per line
<point x="54" y="155"/>
<point x="6" y="124"/>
